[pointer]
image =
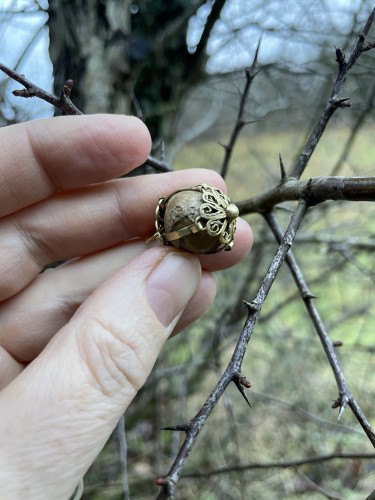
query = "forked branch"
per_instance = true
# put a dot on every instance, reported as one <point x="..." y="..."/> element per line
<point x="335" y="101"/>
<point x="63" y="103"/>
<point x="345" y="397"/>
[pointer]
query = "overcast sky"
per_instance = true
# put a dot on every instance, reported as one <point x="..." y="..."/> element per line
<point x="290" y="29"/>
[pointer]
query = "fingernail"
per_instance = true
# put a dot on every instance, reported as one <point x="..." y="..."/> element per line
<point x="172" y="284"/>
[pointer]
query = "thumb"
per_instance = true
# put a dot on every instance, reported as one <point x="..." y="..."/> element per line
<point x="59" y="412"/>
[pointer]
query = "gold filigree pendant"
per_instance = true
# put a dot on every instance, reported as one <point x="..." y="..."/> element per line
<point x="200" y="219"/>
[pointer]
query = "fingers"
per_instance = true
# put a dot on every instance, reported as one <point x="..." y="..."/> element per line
<point x="85" y="221"/>
<point x="84" y="379"/>
<point x="67" y="152"/>
<point x="29" y="320"/>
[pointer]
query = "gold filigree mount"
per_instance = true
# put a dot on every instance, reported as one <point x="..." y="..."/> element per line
<point x="200" y="219"/>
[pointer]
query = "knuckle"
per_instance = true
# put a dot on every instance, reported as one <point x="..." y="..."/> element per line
<point x="115" y="357"/>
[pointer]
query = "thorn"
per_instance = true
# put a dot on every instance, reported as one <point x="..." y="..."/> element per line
<point x="341" y="411"/>
<point x="341" y="103"/>
<point x="243" y="123"/>
<point x="252" y="306"/>
<point x="282" y="169"/>
<point x="307" y="295"/>
<point x="340" y="57"/>
<point x="180" y="428"/>
<point x="341" y="402"/>
<point x="255" y="60"/>
<point x="237" y="380"/>
<point x="225" y="146"/>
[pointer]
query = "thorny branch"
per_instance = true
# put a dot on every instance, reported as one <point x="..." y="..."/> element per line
<point x="345" y="396"/>
<point x="64" y="103"/>
<point x="335" y="101"/>
<point x="290" y="188"/>
<point x="250" y="74"/>
<point x="233" y="371"/>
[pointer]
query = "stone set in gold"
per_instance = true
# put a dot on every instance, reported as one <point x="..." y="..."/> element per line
<point x="200" y="219"/>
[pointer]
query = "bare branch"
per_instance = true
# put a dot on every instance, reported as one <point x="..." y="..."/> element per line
<point x="194" y="427"/>
<point x="334" y="101"/>
<point x="240" y="122"/>
<point x="354" y="130"/>
<point x="280" y="465"/>
<point x="315" y="190"/>
<point x="31" y="90"/>
<point x="64" y="103"/>
<point x="345" y="396"/>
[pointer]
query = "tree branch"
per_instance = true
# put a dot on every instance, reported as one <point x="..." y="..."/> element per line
<point x="31" y="90"/>
<point x="334" y="101"/>
<point x="315" y="190"/>
<point x="345" y="396"/>
<point x="250" y="74"/>
<point x="280" y="465"/>
<point x="64" y="103"/>
<point x="233" y="370"/>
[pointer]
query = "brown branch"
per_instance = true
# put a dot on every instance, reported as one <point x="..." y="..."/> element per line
<point x="64" y="103"/>
<point x="285" y="464"/>
<point x="345" y="396"/>
<point x="338" y="244"/>
<point x="315" y="190"/>
<point x="31" y="90"/>
<point x="354" y="130"/>
<point x="334" y="101"/>
<point x="233" y="370"/>
<point x="250" y="74"/>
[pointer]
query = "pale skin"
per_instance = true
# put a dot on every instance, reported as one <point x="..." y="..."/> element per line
<point x="77" y="342"/>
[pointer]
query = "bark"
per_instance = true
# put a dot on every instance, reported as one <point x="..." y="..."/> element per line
<point x="89" y="44"/>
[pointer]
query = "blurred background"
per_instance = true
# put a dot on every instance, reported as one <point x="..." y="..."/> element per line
<point x="180" y="65"/>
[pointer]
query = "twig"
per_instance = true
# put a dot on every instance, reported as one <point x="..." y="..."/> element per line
<point x="250" y="74"/>
<point x="31" y="90"/>
<point x="301" y="413"/>
<point x="334" y="101"/>
<point x="281" y="465"/>
<point x="311" y="485"/>
<point x="64" y="103"/>
<point x="354" y="130"/>
<point x="345" y="396"/>
<point x="233" y="370"/>
<point x="123" y="457"/>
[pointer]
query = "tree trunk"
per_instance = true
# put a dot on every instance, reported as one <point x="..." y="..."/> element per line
<point x="89" y="44"/>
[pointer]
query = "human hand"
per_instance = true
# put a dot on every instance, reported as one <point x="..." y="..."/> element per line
<point x="78" y="341"/>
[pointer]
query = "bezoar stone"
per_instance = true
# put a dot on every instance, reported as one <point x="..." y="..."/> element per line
<point x="200" y="219"/>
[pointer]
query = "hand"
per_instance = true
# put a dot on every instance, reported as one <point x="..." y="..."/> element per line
<point x="78" y="341"/>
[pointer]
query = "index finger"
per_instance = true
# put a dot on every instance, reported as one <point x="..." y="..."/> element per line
<point x="44" y="156"/>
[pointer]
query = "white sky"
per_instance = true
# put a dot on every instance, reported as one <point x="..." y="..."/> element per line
<point x="231" y="47"/>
